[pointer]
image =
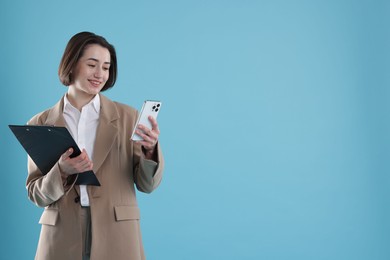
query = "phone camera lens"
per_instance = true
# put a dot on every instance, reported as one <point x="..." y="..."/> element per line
<point x="158" y="105"/>
<point x="156" y="110"/>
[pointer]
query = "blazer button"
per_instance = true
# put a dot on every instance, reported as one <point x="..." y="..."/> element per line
<point x="77" y="199"/>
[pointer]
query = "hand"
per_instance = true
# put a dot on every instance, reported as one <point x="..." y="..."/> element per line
<point x="78" y="164"/>
<point x="149" y="136"/>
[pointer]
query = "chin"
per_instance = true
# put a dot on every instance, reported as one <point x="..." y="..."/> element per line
<point x="94" y="91"/>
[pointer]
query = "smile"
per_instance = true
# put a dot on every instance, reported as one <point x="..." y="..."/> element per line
<point x="95" y="83"/>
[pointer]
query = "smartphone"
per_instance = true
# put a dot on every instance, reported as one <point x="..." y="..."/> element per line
<point x="149" y="108"/>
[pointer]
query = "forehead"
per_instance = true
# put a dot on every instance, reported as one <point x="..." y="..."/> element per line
<point x="97" y="52"/>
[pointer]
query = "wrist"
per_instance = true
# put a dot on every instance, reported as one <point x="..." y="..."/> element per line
<point x="64" y="176"/>
<point x="149" y="153"/>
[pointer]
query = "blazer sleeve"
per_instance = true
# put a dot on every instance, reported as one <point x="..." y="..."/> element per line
<point x="46" y="189"/>
<point x="148" y="173"/>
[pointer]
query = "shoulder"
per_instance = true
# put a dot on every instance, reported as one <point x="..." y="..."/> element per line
<point x="121" y="109"/>
<point x="48" y="116"/>
<point x="39" y="118"/>
<point x="124" y="108"/>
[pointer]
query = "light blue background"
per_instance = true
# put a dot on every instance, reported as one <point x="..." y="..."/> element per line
<point x="275" y="121"/>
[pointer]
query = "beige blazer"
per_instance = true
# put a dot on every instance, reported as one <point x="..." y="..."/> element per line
<point x="120" y="166"/>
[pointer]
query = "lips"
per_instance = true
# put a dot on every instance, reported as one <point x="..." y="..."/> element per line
<point x="95" y="83"/>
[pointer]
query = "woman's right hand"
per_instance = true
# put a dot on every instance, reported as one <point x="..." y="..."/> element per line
<point x="74" y="165"/>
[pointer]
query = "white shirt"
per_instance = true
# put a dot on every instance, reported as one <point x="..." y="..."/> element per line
<point x="82" y="126"/>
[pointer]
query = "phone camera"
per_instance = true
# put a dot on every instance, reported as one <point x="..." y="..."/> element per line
<point x="155" y="107"/>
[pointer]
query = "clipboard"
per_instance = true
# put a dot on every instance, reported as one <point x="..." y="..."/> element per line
<point x="46" y="144"/>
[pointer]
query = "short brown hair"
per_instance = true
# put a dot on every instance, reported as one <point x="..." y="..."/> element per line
<point x="74" y="51"/>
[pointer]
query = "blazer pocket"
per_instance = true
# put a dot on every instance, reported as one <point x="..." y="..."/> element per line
<point x="49" y="217"/>
<point x="126" y="213"/>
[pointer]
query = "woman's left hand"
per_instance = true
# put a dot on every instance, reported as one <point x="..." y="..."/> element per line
<point x="149" y="136"/>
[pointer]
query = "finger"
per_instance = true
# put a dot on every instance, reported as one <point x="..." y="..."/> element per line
<point x="148" y="130"/>
<point x="152" y="133"/>
<point x="85" y="154"/>
<point x="143" y="135"/>
<point x="87" y="167"/>
<point x="67" y="153"/>
<point x="154" y="123"/>
<point x="143" y="128"/>
<point x="150" y="138"/>
<point x="148" y="142"/>
<point x="83" y="161"/>
<point x="154" y="136"/>
<point x="84" y="166"/>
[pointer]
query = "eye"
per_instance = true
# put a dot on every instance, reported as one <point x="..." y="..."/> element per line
<point x="106" y="69"/>
<point x="91" y="65"/>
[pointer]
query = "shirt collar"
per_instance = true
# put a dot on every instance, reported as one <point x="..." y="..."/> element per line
<point x="95" y="103"/>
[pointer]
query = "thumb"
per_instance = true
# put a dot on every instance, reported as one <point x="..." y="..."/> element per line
<point x="67" y="153"/>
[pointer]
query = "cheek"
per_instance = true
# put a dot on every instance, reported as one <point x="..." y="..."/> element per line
<point x="106" y="76"/>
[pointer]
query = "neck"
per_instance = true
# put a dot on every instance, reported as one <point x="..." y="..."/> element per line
<point x="78" y="99"/>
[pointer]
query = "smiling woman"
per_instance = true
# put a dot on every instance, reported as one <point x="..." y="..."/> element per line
<point x="81" y="221"/>
<point x="90" y="75"/>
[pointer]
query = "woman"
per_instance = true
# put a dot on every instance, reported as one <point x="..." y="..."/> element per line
<point x="94" y="222"/>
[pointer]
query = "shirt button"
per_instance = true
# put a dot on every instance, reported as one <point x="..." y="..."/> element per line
<point x="77" y="199"/>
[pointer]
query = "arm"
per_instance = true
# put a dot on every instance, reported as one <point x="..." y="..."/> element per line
<point x="44" y="190"/>
<point x="148" y="171"/>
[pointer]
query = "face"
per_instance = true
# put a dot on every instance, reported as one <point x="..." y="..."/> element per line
<point x="92" y="70"/>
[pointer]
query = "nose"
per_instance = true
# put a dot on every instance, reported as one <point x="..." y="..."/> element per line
<point x="98" y="73"/>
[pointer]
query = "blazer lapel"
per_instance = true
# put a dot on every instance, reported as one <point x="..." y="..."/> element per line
<point x="107" y="132"/>
<point x="55" y="116"/>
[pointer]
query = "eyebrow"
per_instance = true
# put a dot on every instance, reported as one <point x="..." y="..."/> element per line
<point x="93" y="59"/>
